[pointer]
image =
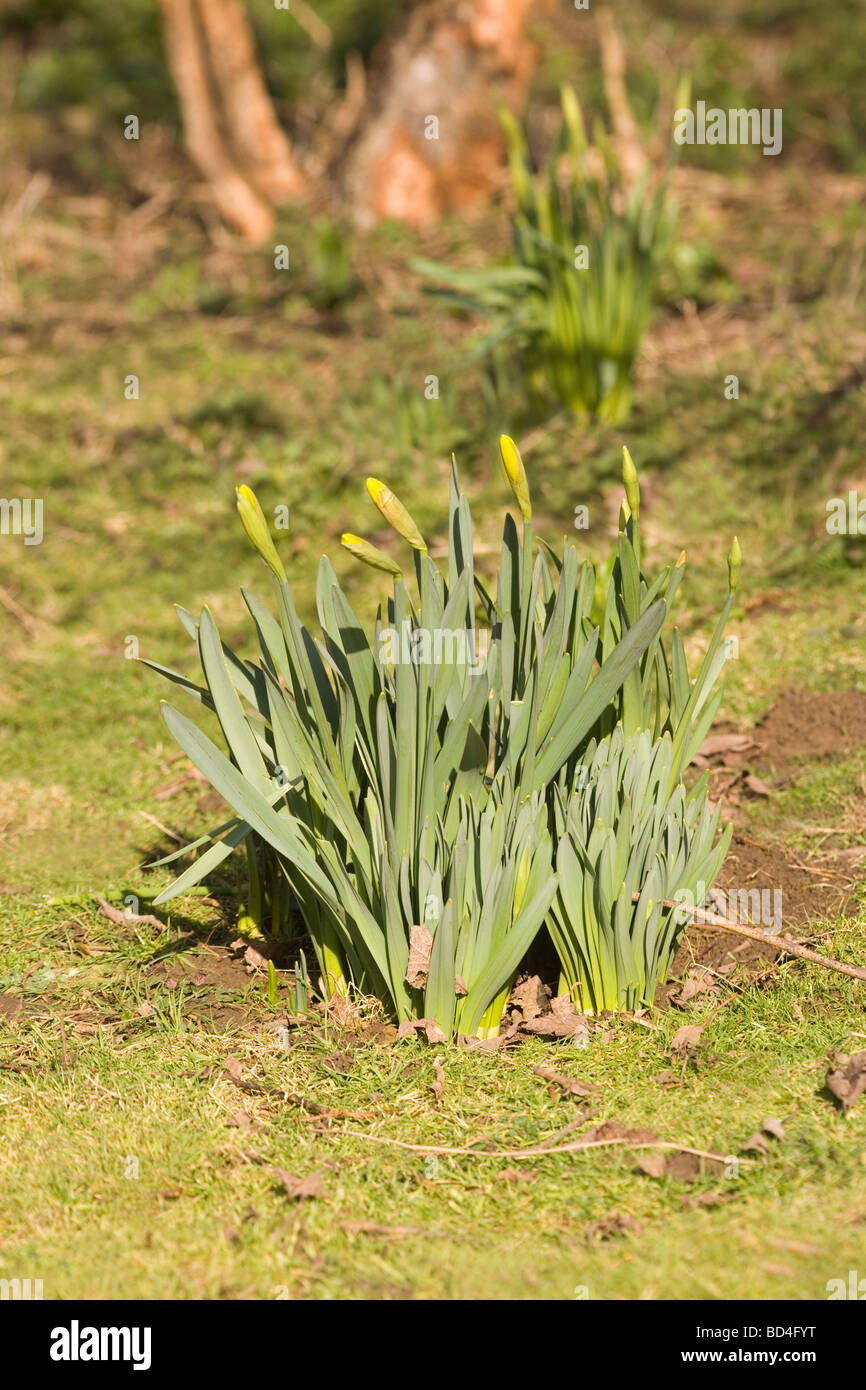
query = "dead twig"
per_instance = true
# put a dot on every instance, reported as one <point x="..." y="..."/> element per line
<point x="709" y="921"/>
<point x="537" y="1151"/>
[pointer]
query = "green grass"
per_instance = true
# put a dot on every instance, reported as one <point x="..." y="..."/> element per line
<point x="123" y="1177"/>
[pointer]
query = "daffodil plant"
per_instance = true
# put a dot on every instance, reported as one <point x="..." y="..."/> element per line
<point x="406" y="794"/>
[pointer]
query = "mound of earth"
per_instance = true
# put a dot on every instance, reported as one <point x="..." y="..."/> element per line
<point x="800" y="726"/>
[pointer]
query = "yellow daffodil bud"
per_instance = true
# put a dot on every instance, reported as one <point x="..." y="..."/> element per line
<point x="632" y="487"/>
<point x="395" y="513"/>
<point x="734" y="558"/>
<point x="363" y="550"/>
<point x="256" y="527"/>
<point x="515" y="474"/>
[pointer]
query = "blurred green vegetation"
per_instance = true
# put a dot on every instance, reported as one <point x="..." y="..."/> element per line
<point x="805" y="56"/>
<point x="110" y="57"/>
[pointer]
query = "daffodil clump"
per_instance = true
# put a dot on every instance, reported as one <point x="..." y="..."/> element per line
<point x="570" y="310"/>
<point x="425" y="793"/>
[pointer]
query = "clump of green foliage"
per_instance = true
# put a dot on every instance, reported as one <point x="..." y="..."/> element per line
<point x="570" y="310"/>
<point x="410" y="788"/>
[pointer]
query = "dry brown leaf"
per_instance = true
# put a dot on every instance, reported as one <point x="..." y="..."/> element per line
<point x="512" y="1175"/>
<point x="561" y="1021"/>
<point x="240" y="1120"/>
<point x="420" y="946"/>
<point x="757" y="787"/>
<point x="721" y="744"/>
<point x="438" y="1086"/>
<point x="756" y="1143"/>
<point x="10" y="1005"/>
<point x="679" y="1165"/>
<point x="460" y="986"/>
<point x="569" y="1085"/>
<point x="426" y="1026"/>
<point x="300" y="1189"/>
<point x="846" y="1079"/>
<point x="774" y="1127"/>
<point x="686" y="1040"/>
<point x="530" y="997"/>
<point x="614" y="1224"/>
<point x="696" y="983"/>
<point x="653" y="1164"/>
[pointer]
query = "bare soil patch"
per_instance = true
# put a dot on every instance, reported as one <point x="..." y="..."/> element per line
<point x="801" y="727"/>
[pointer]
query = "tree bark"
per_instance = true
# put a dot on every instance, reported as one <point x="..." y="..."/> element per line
<point x="230" y="127"/>
<point x="256" y="138"/>
<point x="434" y="144"/>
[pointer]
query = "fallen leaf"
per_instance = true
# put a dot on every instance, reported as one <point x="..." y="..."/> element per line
<point x="512" y="1175"/>
<point x="653" y="1164"/>
<point x="569" y="1085"/>
<point x="679" y="1165"/>
<point x="694" y="985"/>
<point x="300" y="1189"/>
<point x="240" y="1120"/>
<point x="774" y="1127"/>
<point x="756" y="1143"/>
<point x="846" y="1079"/>
<point x="685" y="1040"/>
<point x="613" y="1225"/>
<point x="420" y="946"/>
<point x="438" y="1086"/>
<point x="10" y="1005"/>
<point x="728" y="746"/>
<point x="530" y="997"/>
<point x="757" y="787"/>
<point x="561" y="1021"/>
<point x="428" y="1026"/>
<point x="145" y="1010"/>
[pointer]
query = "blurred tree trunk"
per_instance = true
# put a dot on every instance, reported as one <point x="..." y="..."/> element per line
<point x="231" y="130"/>
<point x="415" y="138"/>
<point x="433" y="143"/>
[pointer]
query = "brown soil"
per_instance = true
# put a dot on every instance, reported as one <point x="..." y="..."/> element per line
<point x="799" y="727"/>
<point x="819" y="889"/>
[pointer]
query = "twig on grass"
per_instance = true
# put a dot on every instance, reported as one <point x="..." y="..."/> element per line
<point x="710" y="920"/>
<point x="537" y="1151"/>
